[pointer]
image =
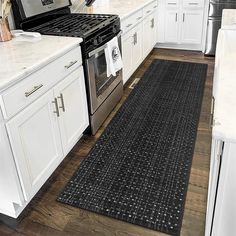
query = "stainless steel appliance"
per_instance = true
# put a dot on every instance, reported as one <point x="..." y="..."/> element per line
<point x="53" y="17"/>
<point x="214" y="22"/>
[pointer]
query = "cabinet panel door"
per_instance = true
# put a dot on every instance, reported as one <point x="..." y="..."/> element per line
<point x="147" y="35"/>
<point x="35" y="140"/>
<point x="73" y="118"/>
<point x="127" y="47"/>
<point x="192" y="27"/>
<point x="171" y="26"/>
<point x="137" y="53"/>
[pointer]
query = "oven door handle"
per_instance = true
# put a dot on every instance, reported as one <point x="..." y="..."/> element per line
<point x="95" y="51"/>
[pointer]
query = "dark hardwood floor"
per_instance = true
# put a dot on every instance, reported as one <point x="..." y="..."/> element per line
<point x="45" y="216"/>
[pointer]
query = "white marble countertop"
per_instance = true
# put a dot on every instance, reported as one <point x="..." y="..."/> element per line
<point x="228" y="18"/>
<point x="224" y="88"/>
<point x="18" y="59"/>
<point x="122" y="8"/>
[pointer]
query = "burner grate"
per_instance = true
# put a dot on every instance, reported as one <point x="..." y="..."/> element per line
<point x="76" y="25"/>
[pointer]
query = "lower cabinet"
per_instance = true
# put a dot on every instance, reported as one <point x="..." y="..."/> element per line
<point x="43" y="133"/>
<point x="192" y="26"/>
<point x="71" y="98"/>
<point x="171" y="28"/>
<point x="131" y="51"/>
<point x="149" y="34"/>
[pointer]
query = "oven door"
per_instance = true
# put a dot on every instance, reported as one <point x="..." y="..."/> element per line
<point x="100" y="86"/>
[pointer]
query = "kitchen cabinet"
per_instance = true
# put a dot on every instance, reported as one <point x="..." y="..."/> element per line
<point x="35" y="141"/>
<point x="138" y="38"/>
<point x="132" y="51"/>
<point x="42" y="124"/>
<point x="221" y="205"/>
<point x="171" y="26"/>
<point x="192" y="26"/>
<point x="149" y="34"/>
<point x="43" y="133"/>
<point x="71" y="98"/>
<point x="183" y="25"/>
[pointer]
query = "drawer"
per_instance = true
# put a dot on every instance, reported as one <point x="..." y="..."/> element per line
<point x="172" y="3"/>
<point x="26" y="91"/>
<point x="149" y="8"/>
<point x="131" y="21"/>
<point x="193" y="4"/>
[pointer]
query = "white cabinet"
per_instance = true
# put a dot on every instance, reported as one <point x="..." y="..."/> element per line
<point x="42" y="116"/>
<point x="182" y="24"/>
<point x="73" y="118"/>
<point x="149" y="34"/>
<point x="35" y="140"/>
<point x="43" y="133"/>
<point x="132" y="51"/>
<point x="127" y="49"/>
<point x="171" y="26"/>
<point x="192" y="26"/>
<point x="139" y="37"/>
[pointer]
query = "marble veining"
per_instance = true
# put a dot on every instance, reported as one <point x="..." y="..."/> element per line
<point x="122" y="8"/>
<point x="18" y="59"/>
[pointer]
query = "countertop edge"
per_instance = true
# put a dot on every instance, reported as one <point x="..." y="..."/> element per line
<point x="37" y="66"/>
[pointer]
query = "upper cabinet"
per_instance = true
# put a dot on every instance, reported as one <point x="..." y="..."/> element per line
<point x="183" y="24"/>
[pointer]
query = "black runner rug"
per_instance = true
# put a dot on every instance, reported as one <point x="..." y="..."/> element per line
<point x="138" y="170"/>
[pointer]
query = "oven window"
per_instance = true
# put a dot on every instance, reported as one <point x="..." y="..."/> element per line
<point x="100" y="69"/>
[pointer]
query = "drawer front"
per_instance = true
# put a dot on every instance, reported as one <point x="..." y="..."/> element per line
<point x="131" y="21"/>
<point x="25" y="92"/>
<point x="193" y="4"/>
<point x="149" y="8"/>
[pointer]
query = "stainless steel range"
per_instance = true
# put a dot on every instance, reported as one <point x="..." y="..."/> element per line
<point x="53" y="17"/>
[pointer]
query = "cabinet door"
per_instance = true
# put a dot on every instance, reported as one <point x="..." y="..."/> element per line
<point x="137" y="53"/>
<point x="192" y="24"/>
<point x="216" y="156"/>
<point x="171" y="26"/>
<point x="127" y="48"/>
<point x="35" y="141"/>
<point x="149" y="34"/>
<point x="73" y="111"/>
<point x="146" y="36"/>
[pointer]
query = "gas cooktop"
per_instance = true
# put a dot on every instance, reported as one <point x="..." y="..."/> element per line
<point x="77" y="25"/>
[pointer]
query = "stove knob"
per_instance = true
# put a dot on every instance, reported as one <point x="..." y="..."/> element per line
<point x="114" y="30"/>
<point x="95" y="42"/>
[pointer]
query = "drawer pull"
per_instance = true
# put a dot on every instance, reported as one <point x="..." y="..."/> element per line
<point x="139" y="18"/>
<point x="56" y="106"/>
<point x="27" y="94"/>
<point x="171" y="3"/>
<point x="148" y="11"/>
<point x="128" y="25"/>
<point x="62" y="102"/>
<point x="152" y="23"/>
<point x="193" y="3"/>
<point x="71" y="64"/>
<point x="155" y="7"/>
